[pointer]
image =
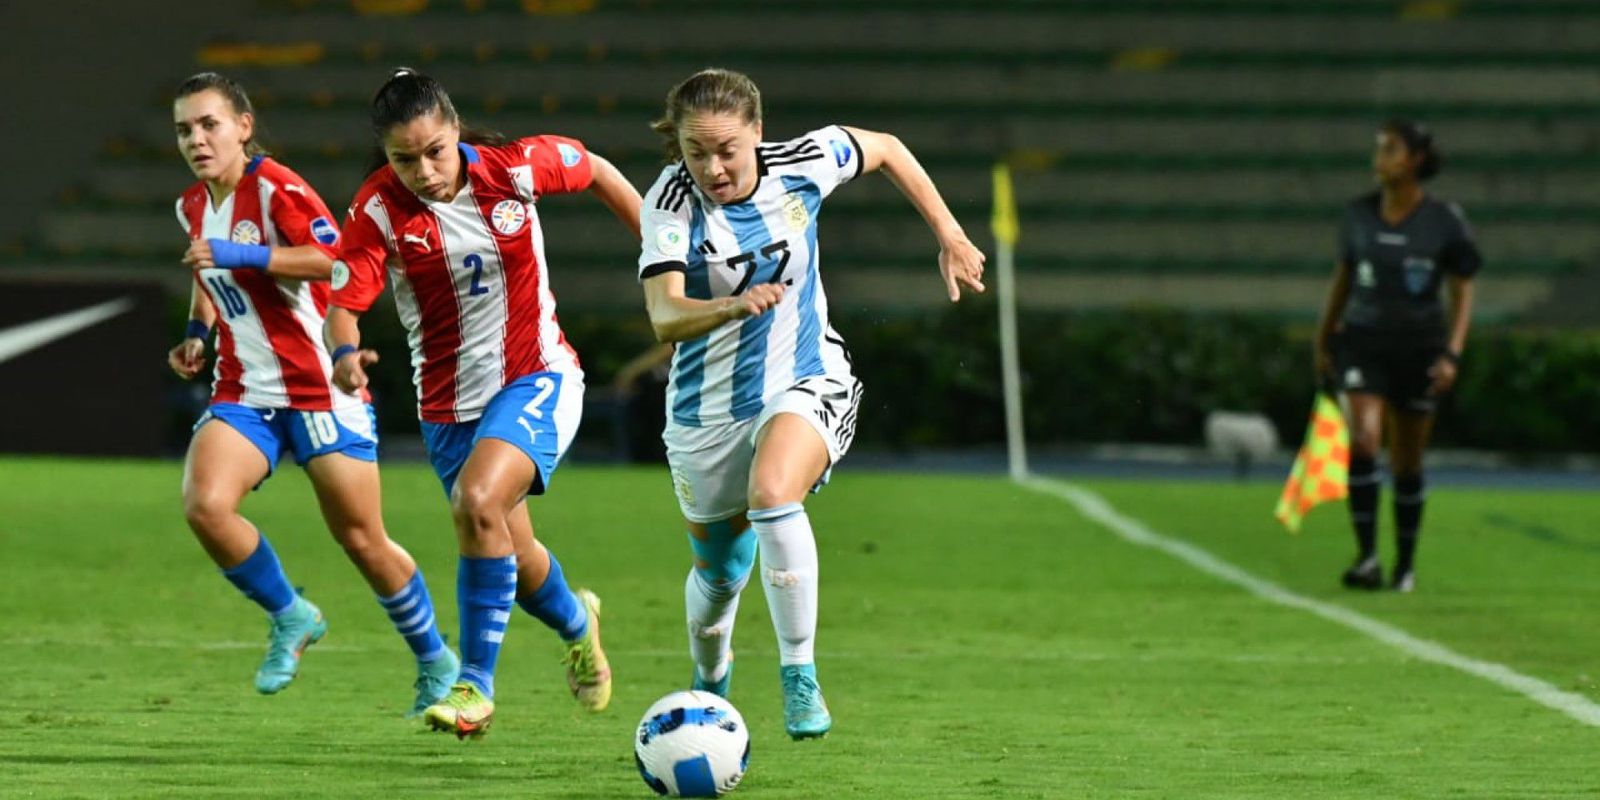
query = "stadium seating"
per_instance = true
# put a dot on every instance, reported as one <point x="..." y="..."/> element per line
<point x="1208" y="137"/>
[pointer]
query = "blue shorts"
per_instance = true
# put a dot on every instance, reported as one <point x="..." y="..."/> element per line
<point x="352" y="431"/>
<point x="538" y="413"/>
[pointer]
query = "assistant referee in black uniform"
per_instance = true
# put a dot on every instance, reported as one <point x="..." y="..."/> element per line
<point x="1386" y="340"/>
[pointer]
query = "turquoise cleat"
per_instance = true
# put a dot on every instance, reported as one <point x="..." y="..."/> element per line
<point x="298" y="627"/>
<point x="434" y="679"/>
<point x="718" y="688"/>
<point x="805" y="715"/>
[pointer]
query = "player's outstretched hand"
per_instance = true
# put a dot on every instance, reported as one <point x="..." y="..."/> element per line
<point x="188" y="358"/>
<point x="757" y="299"/>
<point x="198" y="256"/>
<point x="961" y="262"/>
<point x="350" y="372"/>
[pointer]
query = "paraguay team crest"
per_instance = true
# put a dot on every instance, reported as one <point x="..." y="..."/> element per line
<point x="795" y="213"/>
<point x="246" y="232"/>
<point x="509" y="216"/>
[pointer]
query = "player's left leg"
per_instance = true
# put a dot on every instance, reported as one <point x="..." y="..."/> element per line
<point x="574" y="615"/>
<point x="349" y="492"/>
<point x="1410" y="435"/>
<point x="791" y="457"/>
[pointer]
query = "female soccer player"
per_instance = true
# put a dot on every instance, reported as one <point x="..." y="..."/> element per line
<point x="761" y="401"/>
<point x="261" y="248"/>
<point x="500" y="391"/>
<point x="1386" y="341"/>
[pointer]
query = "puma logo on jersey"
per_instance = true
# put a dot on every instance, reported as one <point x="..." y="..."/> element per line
<point x="527" y="150"/>
<point x="411" y="238"/>
<point x="294" y="187"/>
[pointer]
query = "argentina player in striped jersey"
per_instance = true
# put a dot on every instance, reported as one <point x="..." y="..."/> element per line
<point x="761" y="401"/>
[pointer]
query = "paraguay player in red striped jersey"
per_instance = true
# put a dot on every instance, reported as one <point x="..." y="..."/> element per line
<point x="450" y="220"/>
<point x="261" y="250"/>
<point x="761" y="400"/>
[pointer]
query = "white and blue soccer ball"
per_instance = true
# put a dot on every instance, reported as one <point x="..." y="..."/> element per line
<point x="692" y="744"/>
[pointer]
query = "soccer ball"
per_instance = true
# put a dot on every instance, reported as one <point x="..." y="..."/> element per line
<point x="692" y="744"/>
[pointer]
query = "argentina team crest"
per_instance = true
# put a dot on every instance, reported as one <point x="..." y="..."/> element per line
<point x="1419" y="274"/>
<point x="246" y="232"/>
<point x="508" y="216"/>
<point x="795" y="213"/>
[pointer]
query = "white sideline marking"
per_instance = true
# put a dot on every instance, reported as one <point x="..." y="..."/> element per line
<point x="1095" y="507"/>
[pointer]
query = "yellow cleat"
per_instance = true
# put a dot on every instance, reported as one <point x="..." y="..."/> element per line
<point x="588" y="672"/>
<point x="466" y="711"/>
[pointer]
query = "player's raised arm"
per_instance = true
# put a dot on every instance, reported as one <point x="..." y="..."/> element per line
<point x="613" y="189"/>
<point x="960" y="261"/>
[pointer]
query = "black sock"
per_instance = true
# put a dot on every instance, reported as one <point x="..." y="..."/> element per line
<point x="1364" y="504"/>
<point x="1409" y="498"/>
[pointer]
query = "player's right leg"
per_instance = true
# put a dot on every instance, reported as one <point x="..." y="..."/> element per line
<point x="724" y="553"/>
<point x="710" y="472"/>
<point x="492" y="480"/>
<point x="349" y="492"/>
<point x="234" y="448"/>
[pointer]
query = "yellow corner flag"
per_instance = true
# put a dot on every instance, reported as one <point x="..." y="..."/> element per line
<point x="1004" y="221"/>
<point x="1322" y="469"/>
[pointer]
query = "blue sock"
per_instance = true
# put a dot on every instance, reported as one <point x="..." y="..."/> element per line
<point x="556" y="606"/>
<point x="485" y="588"/>
<point x="411" y="611"/>
<point x="261" y="579"/>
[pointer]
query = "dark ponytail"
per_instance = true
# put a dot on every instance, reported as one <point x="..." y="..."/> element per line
<point x="1419" y="140"/>
<point x="230" y="91"/>
<point x="409" y="94"/>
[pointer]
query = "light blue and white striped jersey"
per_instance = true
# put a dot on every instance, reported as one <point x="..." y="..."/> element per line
<point x="729" y="374"/>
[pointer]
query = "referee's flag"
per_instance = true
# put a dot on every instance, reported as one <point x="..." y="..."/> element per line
<point x="1322" y="469"/>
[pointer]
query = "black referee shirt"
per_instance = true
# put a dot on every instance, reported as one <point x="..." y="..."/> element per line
<point x="1396" y="270"/>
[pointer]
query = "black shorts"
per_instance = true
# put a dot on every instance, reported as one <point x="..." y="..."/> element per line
<point x="1394" y="367"/>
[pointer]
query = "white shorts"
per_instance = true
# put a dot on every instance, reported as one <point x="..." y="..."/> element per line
<point x="711" y="465"/>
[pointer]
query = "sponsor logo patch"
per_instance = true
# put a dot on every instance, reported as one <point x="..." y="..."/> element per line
<point x="570" y="156"/>
<point x="323" y="231"/>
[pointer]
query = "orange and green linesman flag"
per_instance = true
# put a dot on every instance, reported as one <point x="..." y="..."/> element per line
<point x="1321" y="471"/>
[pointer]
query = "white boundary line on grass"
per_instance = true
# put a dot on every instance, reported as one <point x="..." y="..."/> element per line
<point x="1096" y="508"/>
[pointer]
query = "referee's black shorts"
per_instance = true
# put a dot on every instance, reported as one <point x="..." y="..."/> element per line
<point x="1391" y="365"/>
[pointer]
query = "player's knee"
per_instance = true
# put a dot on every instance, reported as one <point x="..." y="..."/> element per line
<point x="206" y="508"/>
<point x="723" y="559"/>
<point x="475" y="509"/>
<point x="770" y="490"/>
<point x="363" y="544"/>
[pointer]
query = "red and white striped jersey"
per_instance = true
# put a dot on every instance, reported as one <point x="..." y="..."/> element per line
<point x="470" y="276"/>
<point x="269" y="331"/>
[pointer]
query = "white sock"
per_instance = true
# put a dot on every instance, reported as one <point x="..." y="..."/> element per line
<point x="789" y="577"/>
<point x="711" y="612"/>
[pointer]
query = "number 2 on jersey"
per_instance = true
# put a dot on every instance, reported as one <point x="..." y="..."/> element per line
<point x="474" y="262"/>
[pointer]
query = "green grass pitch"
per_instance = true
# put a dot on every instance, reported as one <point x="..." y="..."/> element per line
<point x="977" y="640"/>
